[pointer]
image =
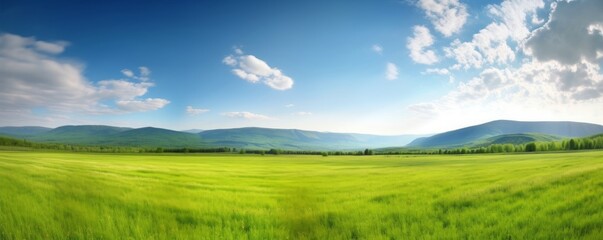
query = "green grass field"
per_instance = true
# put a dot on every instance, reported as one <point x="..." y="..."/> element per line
<point x="110" y="196"/>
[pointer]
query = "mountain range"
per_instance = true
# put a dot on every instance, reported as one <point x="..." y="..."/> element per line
<point x="248" y="138"/>
<point x="495" y="132"/>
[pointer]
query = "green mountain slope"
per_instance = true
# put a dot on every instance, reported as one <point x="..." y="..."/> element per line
<point x="469" y="135"/>
<point x="294" y="139"/>
<point x="249" y="138"/>
<point x="23" y="131"/>
<point x="155" y="137"/>
<point x="520" y="138"/>
<point x="83" y="134"/>
<point x="264" y="138"/>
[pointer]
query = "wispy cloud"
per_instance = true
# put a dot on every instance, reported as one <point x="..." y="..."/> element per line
<point x="391" y="71"/>
<point x="302" y="113"/>
<point x="246" y="115"/>
<point x="144" y="74"/>
<point x="377" y="49"/>
<point x="195" y="111"/>
<point x="142" y="105"/>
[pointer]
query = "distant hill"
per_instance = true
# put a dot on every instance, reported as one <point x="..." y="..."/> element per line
<point x="471" y="135"/>
<point x="496" y="132"/>
<point x="294" y="139"/>
<point x="195" y="131"/>
<point x="83" y="134"/>
<point x="23" y="131"/>
<point x="249" y="138"/>
<point x="155" y="137"/>
<point x="519" y="138"/>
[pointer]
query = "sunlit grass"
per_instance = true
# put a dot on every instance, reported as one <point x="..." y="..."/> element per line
<point x="111" y="196"/>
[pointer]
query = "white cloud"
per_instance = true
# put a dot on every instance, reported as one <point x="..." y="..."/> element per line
<point x="391" y="71"/>
<point x="127" y="73"/>
<point x="253" y="69"/>
<point x="142" y="105"/>
<point x="559" y="77"/>
<point x="377" y="48"/>
<point x="195" y="111"/>
<point x="439" y="71"/>
<point x="302" y="113"/>
<point x="417" y="45"/>
<point x="31" y="78"/>
<point x="447" y="16"/>
<point x="246" y="115"/>
<point x="279" y="81"/>
<point x="465" y="54"/>
<point x="121" y="89"/>
<point x="514" y="14"/>
<point x="246" y="76"/>
<point x="535" y="91"/>
<point x="570" y="35"/>
<point x="52" y="48"/>
<point x="230" y="61"/>
<point x="290" y="105"/>
<point x="490" y="45"/>
<point x="145" y="72"/>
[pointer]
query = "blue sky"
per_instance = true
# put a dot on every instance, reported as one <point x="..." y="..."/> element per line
<point x="384" y="67"/>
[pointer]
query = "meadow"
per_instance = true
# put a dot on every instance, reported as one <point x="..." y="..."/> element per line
<point x="60" y="195"/>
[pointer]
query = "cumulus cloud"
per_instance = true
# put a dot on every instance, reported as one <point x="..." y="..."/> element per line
<point x="32" y="76"/>
<point x="491" y="44"/>
<point x="127" y="73"/>
<point x="571" y="34"/>
<point x="246" y="115"/>
<point x="377" y="49"/>
<point x="195" y="111"/>
<point x="439" y="71"/>
<point x="391" y="71"/>
<point x="558" y="74"/>
<point x="253" y="69"/>
<point x="531" y="89"/>
<point x="447" y="16"/>
<point x="514" y="15"/>
<point x="417" y="45"/>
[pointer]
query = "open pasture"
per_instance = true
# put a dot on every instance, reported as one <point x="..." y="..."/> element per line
<point x="142" y="196"/>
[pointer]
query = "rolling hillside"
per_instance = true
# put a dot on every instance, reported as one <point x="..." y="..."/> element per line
<point x="83" y="134"/>
<point x="156" y="137"/>
<point x="474" y="134"/>
<point x="518" y="138"/>
<point x="23" y="131"/>
<point x="249" y="138"/>
<point x="294" y="139"/>
<point x="496" y="132"/>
